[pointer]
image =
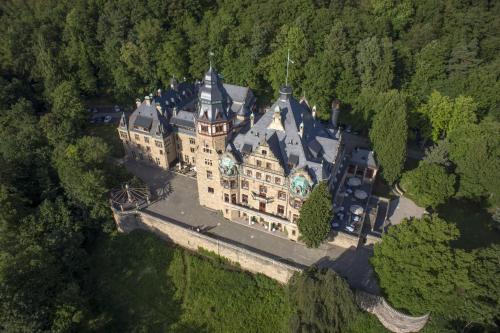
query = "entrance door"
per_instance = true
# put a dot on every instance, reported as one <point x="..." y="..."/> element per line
<point x="262" y="206"/>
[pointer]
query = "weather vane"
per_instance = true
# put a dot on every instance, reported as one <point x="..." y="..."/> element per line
<point x="288" y="61"/>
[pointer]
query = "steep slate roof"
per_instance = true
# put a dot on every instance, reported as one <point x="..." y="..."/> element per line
<point x="147" y="119"/>
<point x="213" y="99"/>
<point x="183" y="119"/>
<point x="242" y="99"/>
<point x="180" y="96"/>
<point x="315" y="150"/>
<point x="363" y="157"/>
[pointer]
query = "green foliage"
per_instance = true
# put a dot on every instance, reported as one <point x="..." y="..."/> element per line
<point x="172" y="290"/>
<point x="67" y="117"/>
<point x="322" y="302"/>
<point x="388" y="135"/>
<point x="419" y="271"/>
<point x="475" y="149"/>
<point x="80" y="167"/>
<point x="315" y="216"/>
<point x="376" y="63"/>
<point x="428" y="184"/>
<point x="445" y="115"/>
<point x="289" y="39"/>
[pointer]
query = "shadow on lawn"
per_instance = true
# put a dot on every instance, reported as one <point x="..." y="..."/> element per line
<point x="134" y="288"/>
<point x="354" y="266"/>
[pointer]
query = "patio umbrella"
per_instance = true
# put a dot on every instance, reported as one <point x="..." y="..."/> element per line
<point x="360" y="194"/>
<point x="354" y="181"/>
<point x="356" y="209"/>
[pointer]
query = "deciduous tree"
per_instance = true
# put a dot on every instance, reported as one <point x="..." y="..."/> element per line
<point x="429" y="184"/>
<point x="321" y="301"/>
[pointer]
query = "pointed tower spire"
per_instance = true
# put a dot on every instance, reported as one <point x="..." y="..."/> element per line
<point x="123" y="121"/>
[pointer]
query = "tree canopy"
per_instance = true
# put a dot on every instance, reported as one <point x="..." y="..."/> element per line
<point x="315" y="216"/>
<point x="420" y="272"/>
<point x="429" y="184"/>
<point x="389" y="134"/>
<point x="321" y="301"/>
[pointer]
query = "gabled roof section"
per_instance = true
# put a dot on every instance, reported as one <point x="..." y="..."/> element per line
<point x="148" y="119"/>
<point x="312" y="150"/>
<point x="179" y="96"/>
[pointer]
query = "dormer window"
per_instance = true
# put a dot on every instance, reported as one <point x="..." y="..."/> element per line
<point x="264" y="152"/>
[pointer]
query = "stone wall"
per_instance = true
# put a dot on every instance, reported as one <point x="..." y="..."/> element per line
<point x="392" y="319"/>
<point x="345" y="240"/>
<point x="193" y="240"/>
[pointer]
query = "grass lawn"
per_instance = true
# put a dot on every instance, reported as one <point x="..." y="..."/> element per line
<point x="145" y="285"/>
<point x="109" y="134"/>
<point x="142" y="284"/>
<point x="473" y="222"/>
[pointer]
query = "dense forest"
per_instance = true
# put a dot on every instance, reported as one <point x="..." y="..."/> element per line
<point x="418" y="72"/>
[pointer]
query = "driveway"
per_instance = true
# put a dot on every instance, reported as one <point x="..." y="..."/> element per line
<point x="179" y="201"/>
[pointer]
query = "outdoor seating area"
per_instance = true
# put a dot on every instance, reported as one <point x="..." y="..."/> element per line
<point x="349" y="205"/>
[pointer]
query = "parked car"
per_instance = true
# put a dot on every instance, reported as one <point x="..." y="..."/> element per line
<point x="107" y="119"/>
<point x="117" y="108"/>
<point x="349" y="228"/>
<point x="356" y="218"/>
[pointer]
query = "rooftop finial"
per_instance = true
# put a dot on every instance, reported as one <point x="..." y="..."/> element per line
<point x="288" y="61"/>
<point x="210" y="55"/>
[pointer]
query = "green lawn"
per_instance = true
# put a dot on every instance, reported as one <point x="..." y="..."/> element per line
<point x="142" y="284"/>
<point x="145" y="285"/>
<point x="473" y="222"/>
<point x="109" y="134"/>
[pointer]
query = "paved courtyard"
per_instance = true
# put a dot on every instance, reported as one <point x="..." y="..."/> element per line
<point x="179" y="201"/>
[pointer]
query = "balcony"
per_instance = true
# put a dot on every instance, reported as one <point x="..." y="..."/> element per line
<point x="274" y="218"/>
<point x="262" y="197"/>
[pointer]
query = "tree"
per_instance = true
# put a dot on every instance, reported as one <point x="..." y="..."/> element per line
<point x="289" y="39"/>
<point x="376" y="63"/>
<point x="475" y="150"/>
<point x="429" y="184"/>
<point x="67" y="117"/>
<point x="321" y="301"/>
<point x="389" y="134"/>
<point x="315" y="216"/>
<point x="430" y="70"/>
<point x="438" y="154"/>
<point x="81" y="169"/>
<point x="419" y="271"/>
<point x="445" y="114"/>
<point x="484" y="305"/>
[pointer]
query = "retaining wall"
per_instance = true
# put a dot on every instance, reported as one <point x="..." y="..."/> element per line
<point x="193" y="240"/>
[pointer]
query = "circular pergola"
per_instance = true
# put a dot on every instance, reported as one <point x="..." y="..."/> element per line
<point x="129" y="197"/>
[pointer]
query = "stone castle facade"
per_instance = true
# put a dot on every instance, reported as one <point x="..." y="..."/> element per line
<point x="253" y="167"/>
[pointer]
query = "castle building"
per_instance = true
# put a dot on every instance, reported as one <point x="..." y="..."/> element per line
<point x="254" y="168"/>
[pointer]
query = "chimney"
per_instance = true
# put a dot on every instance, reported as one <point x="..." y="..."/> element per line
<point x="335" y="113"/>
<point x="148" y="100"/>
<point x="137" y="102"/>
<point x="285" y="93"/>
<point x="314" y="112"/>
<point x="252" y="119"/>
